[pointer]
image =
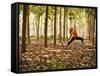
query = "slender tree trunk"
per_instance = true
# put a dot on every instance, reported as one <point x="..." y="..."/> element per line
<point x="55" y="28"/>
<point x="94" y="18"/>
<point x="93" y="31"/>
<point x="51" y="27"/>
<point x="38" y="22"/>
<point x="28" y="28"/>
<point x="60" y="26"/>
<point x="64" y="26"/>
<point x="23" y="47"/>
<point x="88" y="18"/>
<point x="41" y="28"/>
<point x="45" y="29"/>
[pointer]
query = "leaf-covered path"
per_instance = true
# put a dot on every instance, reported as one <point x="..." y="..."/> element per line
<point x="39" y="58"/>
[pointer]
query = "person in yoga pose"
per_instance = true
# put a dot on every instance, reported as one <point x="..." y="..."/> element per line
<point x="74" y="35"/>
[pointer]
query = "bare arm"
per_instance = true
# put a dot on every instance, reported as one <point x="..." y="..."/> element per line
<point x="74" y="27"/>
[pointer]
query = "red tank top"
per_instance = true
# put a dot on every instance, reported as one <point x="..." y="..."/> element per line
<point x="74" y="34"/>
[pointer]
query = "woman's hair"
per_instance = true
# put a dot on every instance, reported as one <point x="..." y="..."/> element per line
<point x="71" y="29"/>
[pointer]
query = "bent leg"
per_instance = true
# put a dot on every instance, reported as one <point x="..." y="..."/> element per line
<point x="72" y="39"/>
<point x="80" y="38"/>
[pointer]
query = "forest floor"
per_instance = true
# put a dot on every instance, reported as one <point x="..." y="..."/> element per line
<point x="38" y="58"/>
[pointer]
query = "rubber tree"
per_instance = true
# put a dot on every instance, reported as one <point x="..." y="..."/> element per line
<point x="45" y="28"/>
<point x="38" y="11"/>
<point x="91" y="21"/>
<point x="60" y="24"/>
<point x="51" y="14"/>
<point x="23" y="47"/>
<point x="28" y="26"/>
<point x="55" y="26"/>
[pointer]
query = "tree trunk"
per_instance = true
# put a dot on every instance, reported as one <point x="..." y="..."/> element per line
<point x="55" y="27"/>
<point x="23" y="47"/>
<point x="52" y="25"/>
<point x="45" y="28"/>
<point x="28" y="28"/>
<point x="38" y="22"/>
<point x="60" y="26"/>
<point x="88" y="18"/>
<point x="94" y="19"/>
<point x="41" y="28"/>
<point x="51" y="28"/>
<point x="64" y="26"/>
<point x="93" y="31"/>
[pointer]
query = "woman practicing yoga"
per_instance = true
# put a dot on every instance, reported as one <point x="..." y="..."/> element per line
<point x="74" y="35"/>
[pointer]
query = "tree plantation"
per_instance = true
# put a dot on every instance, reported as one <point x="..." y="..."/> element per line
<point x="47" y="42"/>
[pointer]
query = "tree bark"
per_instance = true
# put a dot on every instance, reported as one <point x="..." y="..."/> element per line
<point x="23" y="47"/>
<point x="41" y="28"/>
<point x="38" y="22"/>
<point x="46" y="25"/>
<point x="55" y="27"/>
<point x="93" y="30"/>
<point x="28" y="28"/>
<point x="88" y="18"/>
<point x="64" y="26"/>
<point x="94" y="26"/>
<point x="51" y="27"/>
<point x="60" y="26"/>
